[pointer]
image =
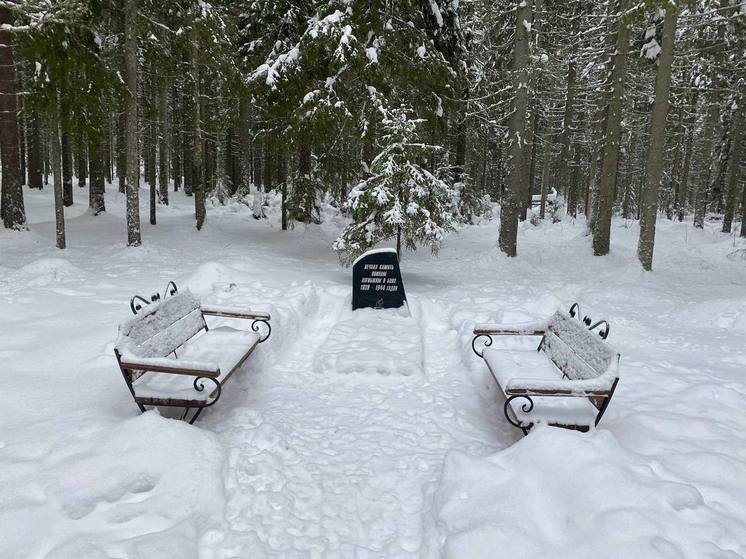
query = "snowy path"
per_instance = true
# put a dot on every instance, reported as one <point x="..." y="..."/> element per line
<point x="343" y="465"/>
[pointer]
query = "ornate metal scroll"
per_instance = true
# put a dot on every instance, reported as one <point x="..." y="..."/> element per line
<point x="487" y="343"/>
<point x="525" y="408"/>
<point x="256" y="328"/>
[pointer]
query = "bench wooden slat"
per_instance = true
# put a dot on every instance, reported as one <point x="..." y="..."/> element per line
<point x="231" y="312"/>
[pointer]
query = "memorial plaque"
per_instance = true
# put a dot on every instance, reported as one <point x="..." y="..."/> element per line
<point x="376" y="281"/>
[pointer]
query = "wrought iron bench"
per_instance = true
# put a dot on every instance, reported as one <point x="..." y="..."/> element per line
<point x="567" y="381"/>
<point x="168" y="355"/>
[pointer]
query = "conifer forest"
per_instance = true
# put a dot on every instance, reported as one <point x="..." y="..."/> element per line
<point x="410" y="116"/>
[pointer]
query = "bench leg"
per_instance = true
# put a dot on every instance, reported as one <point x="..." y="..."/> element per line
<point x="195" y="416"/>
<point x="526" y="407"/>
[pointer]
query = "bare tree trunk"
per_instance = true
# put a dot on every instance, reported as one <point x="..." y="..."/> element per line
<point x="67" y="169"/>
<point x="244" y="146"/>
<point x="703" y="179"/>
<point x="545" y="173"/>
<point x="512" y="199"/>
<point x="176" y="147"/>
<point x="56" y="164"/>
<point x="282" y="180"/>
<point x="133" y="167"/>
<point x="122" y="151"/>
<point x="96" y="173"/>
<point x="654" y="164"/>
<point x="607" y="185"/>
<point x="11" y="202"/>
<point x="163" y="151"/>
<point x="35" y="162"/>
<point x="684" y="182"/>
<point x="198" y="165"/>
<point x="82" y="163"/>
<point x="734" y="165"/>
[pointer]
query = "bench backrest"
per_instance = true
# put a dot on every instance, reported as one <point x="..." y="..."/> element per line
<point x="576" y="351"/>
<point x="161" y="328"/>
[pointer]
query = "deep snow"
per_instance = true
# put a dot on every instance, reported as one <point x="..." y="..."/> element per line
<point x="335" y="443"/>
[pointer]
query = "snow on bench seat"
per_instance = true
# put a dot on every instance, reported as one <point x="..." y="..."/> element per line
<point x="220" y="348"/>
<point x="510" y="365"/>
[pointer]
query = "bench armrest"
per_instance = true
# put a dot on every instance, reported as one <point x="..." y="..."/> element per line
<point x="163" y="365"/>
<point x="528" y="329"/>
<point x="558" y="387"/>
<point x="233" y="312"/>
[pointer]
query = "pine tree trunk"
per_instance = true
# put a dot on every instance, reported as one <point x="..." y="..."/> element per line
<point x="96" y="173"/>
<point x="11" y="201"/>
<point x="607" y="184"/>
<point x="59" y="187"/>
<point x="21" y="132"/>
<point x="244" y="146"/>
<point x="176" y="144"/>
<point x="674" y="194"/>
<point x="35" y="162"/>
<point x="703" y="179"/>
<point x="106" y="147"/>
<point x="133" y="168"/>
<point x="122" y="150"/>
<point x="654" y="164"/>
<point x="734" y="165"/>
<point x="82" y="163"/>
<point x="545" y="169"/>
<point x="198" y="165"/>
<point x="282" y="181"/>
<point x="163" y="151"/>
<point x="512" y="199"/>
<point x="684" y="182"/>
<point x="67" y="170"/>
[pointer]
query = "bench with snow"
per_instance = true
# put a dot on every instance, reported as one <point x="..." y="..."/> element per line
<point x="168" y="355"/>
<point x="567" y="381"/>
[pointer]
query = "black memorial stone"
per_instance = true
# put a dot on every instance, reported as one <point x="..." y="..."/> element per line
<point x="376" y="281"/>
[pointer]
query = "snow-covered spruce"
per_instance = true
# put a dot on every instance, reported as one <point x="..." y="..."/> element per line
<point x="401" y="199"/>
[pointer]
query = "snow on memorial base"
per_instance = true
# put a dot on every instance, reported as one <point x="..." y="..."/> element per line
<point x="373" y="433"/>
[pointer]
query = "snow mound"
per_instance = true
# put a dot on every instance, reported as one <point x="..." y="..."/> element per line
<point x="210" y="276"/>
<point x="560" y="493"/>
<point x="373" y="342"/>
<point x="147" y="488"/>
<point x="48" y="271"/>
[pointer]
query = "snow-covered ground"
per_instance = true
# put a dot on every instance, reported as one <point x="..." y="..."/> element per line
<point x="335" y="443"/>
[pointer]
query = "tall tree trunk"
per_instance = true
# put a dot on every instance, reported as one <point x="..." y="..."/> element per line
<point x="67" y="170"/>
<point x="607" y="185"/>
<point x="11" y="202"/>
<point x="684" y="182"/>
<point x="282" y="181"/>
<point x="21" y="132"/>
<point x="545" y="168"/>
<point x="198" y="165"/>
<point x="654" y="164"/>
<point x="709" y="161"/>
<point x="122" y="150"/>
<point x="244" y="146"/>
<point x="35" y="161"/>
<point x="512" y="199"/>
<point x="734" y="165"/>
<point x="106" y="148"/>
<point x="82" y="163"/>
<point x="176" y="143"/>
<point x="59" y="188"/>
<point x="96" y="174"/>
<point x="133" y="167"/>
<point x="163" y="151"/>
